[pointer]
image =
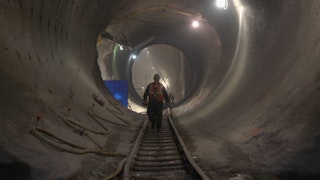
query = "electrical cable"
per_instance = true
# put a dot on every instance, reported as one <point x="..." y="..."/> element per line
<point x="75" y="126"/>
<point x="115" y="105"/>
<point x="50" y="135"/>
<point x="74" y="151"/>
<point x="112" y="112"/>
<point x="81" y="131"/>
<point x="94" y="117"/>
<point x="52" y="141"/>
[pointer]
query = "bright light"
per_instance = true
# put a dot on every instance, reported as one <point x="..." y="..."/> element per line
<point x="134" y="56"/>
<point x="222" y="4"/>
<point x="195" y="24"/>
<point x="121" y="47"/>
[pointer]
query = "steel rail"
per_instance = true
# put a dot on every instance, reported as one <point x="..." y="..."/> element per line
<point x="186" y="152"/>
<point x="189" y="162"/>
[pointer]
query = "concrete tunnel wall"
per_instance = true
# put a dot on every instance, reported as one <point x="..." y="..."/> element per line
<point x="262" y="122"/>
<point x="49" y="71"/>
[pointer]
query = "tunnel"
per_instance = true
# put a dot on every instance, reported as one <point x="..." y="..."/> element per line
<point x="246" y="82"/>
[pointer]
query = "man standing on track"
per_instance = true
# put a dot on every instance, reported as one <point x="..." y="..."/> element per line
<point x="154" y="96"/>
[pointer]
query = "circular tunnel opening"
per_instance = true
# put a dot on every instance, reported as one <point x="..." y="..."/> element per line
<point x="169" y="62"/>
<point x="188" y="58"/>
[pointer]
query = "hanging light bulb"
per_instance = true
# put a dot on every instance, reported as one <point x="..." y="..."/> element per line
<point x="195" y="23"/>
<point x="121" y="47"/>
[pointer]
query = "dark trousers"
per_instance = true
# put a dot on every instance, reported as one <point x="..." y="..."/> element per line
<point x="155" y="114"/>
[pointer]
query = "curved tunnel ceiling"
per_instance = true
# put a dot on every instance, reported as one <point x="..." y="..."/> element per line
<point x="142" y="26"/>
<point x="253" y="108"/>
<point x="173" y="67"/>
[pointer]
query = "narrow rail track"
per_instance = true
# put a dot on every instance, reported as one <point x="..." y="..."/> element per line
<point x="160" y="155"/>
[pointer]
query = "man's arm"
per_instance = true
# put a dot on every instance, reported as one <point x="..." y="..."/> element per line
<point x="146" y="93"/>
<point x="165" y="95"/>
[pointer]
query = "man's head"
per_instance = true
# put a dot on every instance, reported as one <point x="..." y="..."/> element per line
<point x="156" y="77"/>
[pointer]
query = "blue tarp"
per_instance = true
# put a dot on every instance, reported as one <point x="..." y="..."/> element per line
<point x="119" y="90"/>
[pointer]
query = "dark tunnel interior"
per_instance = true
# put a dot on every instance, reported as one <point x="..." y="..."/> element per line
<point x="246" y="83"/>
